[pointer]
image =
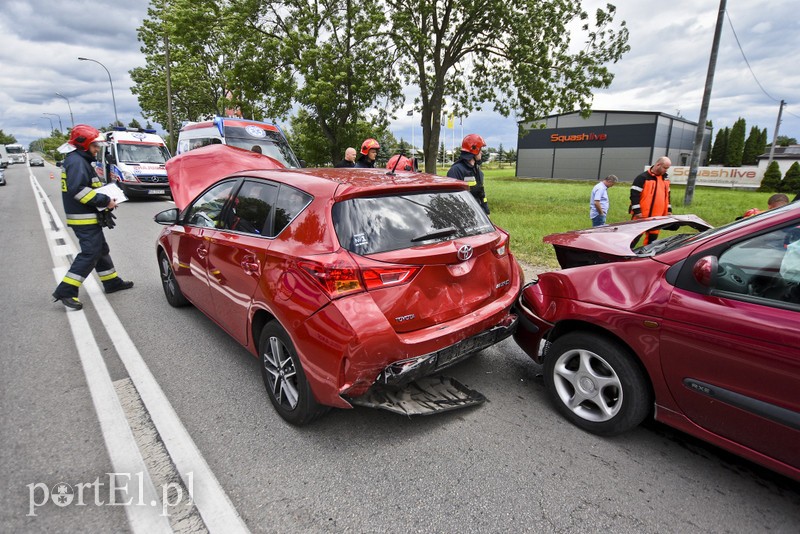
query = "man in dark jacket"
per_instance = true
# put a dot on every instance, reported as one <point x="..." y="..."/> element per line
<point x="650" y="195"/>
<point x="369" y="152"/>
<point x="82" y="204"/>
<point x="468" y="168"/>
<point x="349" y="159"/>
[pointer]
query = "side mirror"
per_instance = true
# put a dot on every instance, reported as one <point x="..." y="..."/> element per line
<point x="58" y="164"/>
<point x="704" y="271"/>
<point x="167" y="217"/>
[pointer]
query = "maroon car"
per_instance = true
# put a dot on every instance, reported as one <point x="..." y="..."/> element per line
<point x="350" y="285"/>
<point x="701" y="329"/>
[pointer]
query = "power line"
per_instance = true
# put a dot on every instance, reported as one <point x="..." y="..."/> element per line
<point x="745" y="58"/>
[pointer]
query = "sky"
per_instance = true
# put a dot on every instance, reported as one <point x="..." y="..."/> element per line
<point x="664" y="71"/>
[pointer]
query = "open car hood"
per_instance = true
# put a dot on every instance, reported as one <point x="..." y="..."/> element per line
<point x="613" y="242"/>
<point x="192" y="172"/>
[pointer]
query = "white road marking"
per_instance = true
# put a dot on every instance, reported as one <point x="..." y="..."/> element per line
<point x="213" y="504"/>
<point x="125" y="456"/>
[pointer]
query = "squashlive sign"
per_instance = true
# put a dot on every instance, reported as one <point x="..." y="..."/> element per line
<point x="744" y="177"/>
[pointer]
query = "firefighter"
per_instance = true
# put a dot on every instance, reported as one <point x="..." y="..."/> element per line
<point x="369" y="152"/>
<point x="650" y="195"/>
<point x="81" y="203"/>
<point x="468" y="168"/>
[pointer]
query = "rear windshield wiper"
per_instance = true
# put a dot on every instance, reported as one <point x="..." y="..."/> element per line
<point x="445" y="232"/>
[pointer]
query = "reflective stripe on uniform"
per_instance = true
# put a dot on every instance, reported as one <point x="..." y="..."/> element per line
<point x="96" y="182"/>
<point x="105" y="276"/>
<point x="73" y="279"/>
<point x="78" y="219"/>
<point x="635" y="207"/>
<point x="85" y="195"/>
<point x="636" y="188"/>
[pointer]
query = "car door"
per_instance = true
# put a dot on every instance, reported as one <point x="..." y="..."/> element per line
<point x="731" y="357"/>
<point x="193" y="245"/>
<point x="237" y="254"/>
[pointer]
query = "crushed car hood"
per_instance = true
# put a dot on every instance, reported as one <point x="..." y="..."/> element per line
<point x="192" y="172"/>
<point x="613" y="242"/>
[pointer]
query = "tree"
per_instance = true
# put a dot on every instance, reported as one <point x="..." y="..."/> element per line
<point x="500" y="155"/>
<point x="720" y="147"/>
<point x="134" y="123"/>
<point x="519" y="57"/>
<point x="7" y="139"/>
<point x="752" y="147"/>
<point x="331" y="58"/>
<point x="772" y="178"/>
<point x="511" y="155"/>
<point x="203" y="43"/>
<point x="733" y="158"/>
<point x="791" y="180"/>
<point x="783" y="140"/>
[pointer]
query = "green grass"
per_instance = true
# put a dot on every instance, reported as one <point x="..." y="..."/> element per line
<point x="531" y="209"/>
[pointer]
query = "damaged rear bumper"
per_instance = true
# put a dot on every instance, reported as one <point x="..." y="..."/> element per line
<point x="403" y="372"/>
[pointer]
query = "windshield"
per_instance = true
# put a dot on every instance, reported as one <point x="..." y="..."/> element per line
<point x="138" y="153"/>
<point x="270" y="143"/>
<point x="15" y="149"/>
<point x="379" y="224"/>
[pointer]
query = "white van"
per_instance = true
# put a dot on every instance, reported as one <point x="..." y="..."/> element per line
<point x="261" y="137"/>
<point x="134" y="159"/>
<point x="4" y="160"/>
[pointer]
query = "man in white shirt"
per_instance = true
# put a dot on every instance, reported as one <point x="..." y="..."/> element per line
<point x="598" y="204"/>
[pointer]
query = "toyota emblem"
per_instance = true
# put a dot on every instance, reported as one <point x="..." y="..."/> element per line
<point x="465" y="253"/>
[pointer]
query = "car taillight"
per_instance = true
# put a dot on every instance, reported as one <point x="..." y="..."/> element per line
<point x="338" y="278"/>
<point x="501" y="248"/>
<point x="378" y="277"/>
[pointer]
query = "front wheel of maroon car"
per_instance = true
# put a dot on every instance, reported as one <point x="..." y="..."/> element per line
<point x="284" y="378"/>
<point x="596" y="384"/>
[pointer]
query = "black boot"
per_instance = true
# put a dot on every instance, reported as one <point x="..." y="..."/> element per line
<point x="119" y="285"/>
<point x="70" y="302"/>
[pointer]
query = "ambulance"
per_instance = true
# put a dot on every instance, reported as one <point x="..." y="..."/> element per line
<point x="261" y="137"/>
<point x="134" y="159"/>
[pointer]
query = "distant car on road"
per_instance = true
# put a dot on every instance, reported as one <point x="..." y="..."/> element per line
<point x="701" y="329"/>
<point x="348" y="285"/>
<point x="2" y="178"/>
<point x="36" y="161"/>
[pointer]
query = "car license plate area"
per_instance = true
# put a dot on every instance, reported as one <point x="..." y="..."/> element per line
<point x="155" y="192"/>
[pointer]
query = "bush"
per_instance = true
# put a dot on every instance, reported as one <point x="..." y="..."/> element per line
<point x="772" y="179"/>
<point x="791" y="182"/>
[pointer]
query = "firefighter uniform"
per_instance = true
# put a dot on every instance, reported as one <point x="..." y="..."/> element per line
<point x="472" y="174"/>
<point x="650" y="197"/>
<point x="81" y="202"/>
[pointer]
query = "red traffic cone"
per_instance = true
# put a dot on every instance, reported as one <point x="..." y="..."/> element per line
<point x="52" y="177"/>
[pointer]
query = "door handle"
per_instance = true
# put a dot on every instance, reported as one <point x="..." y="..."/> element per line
<point x="250" y="264"/>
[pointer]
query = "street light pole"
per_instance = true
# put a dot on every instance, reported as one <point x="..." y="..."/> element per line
<point x="60" y="126"/>
<point x="71" y="118"/>
<point x="113" y="98"/>
<point x="51" y="125"/>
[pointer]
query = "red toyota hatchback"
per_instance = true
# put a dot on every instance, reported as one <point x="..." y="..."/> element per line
<point x="701" y="329"/>
<point x="349" y="285"/>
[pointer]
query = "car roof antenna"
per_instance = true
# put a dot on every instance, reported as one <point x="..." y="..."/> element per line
<point x="396" y="163"/>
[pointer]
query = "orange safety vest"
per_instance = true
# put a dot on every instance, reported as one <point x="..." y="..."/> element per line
<point x="650" y="195"/>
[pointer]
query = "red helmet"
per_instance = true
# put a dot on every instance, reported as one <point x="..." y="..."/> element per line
<point x="473" y="143"/>
<point x="404" y="164"/>
<point x="368" y="145"/>
<point x="84" y="135"/>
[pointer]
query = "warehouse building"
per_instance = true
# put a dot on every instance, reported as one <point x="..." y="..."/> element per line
<point x="608" y="142"/>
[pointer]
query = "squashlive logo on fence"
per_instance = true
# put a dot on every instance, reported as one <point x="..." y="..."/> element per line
<point x="122" y="489"/>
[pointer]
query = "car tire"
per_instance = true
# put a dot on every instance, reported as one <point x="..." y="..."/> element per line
<point x="170" y="284"/>
<point x="596" y="383"/>
<point x="284" y="377"/>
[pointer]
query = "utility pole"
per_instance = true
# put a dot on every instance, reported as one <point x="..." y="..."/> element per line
<point x="775" y="134"/>
<point x="701" y="122"/>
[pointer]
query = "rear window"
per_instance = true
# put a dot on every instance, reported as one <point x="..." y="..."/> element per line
<point x="379" y="224"/>
<point x="264" y="142"/>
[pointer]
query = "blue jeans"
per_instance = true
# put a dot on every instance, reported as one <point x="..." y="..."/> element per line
<point x="598" y="220"/>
